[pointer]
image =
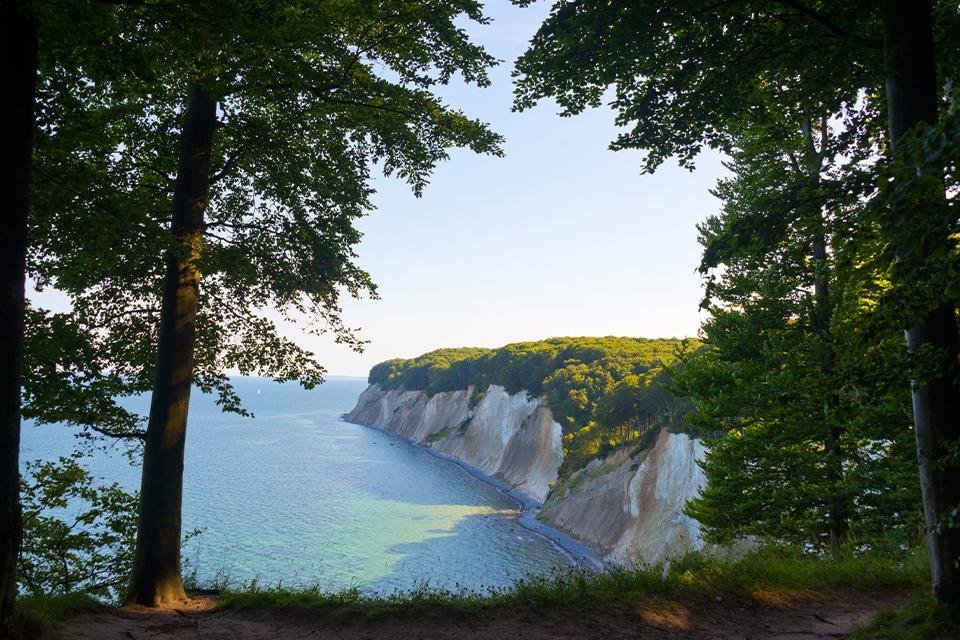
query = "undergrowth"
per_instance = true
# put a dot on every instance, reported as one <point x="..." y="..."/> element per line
<point x="37" y="615"/>
<point x="693" y="576"/>
<point x="919" y="619"/>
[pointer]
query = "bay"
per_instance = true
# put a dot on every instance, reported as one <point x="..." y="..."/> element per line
<point x="298" y="496"/>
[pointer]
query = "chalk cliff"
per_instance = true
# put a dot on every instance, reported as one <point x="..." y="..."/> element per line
<point x="510" y="437"/>
<point x="628" y="506"/>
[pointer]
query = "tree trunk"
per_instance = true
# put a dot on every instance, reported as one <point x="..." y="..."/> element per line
<point x="838" y="508"/>
<point x="911" y="89"/>
<point x="156" y="577"/>
<point x="18" y="43"/>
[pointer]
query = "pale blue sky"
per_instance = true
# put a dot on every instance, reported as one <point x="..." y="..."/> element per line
<point x="560" y="237"/>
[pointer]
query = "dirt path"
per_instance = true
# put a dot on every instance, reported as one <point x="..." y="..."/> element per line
<point x="767" y="616"/>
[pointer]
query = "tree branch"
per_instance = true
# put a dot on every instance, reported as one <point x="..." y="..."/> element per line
<point x="228" y="166"/>
<point x="121" y="435"/>
<point x="828" y="25"/>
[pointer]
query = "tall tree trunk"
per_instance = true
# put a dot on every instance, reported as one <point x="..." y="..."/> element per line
<point x="156" y="577"/>
<point x="911" y="89"/>
<point x="18" y="44"/>
<point x="838" y="506"/>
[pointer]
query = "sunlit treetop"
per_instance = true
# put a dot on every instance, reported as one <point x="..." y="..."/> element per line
<point x="683" y="74"/>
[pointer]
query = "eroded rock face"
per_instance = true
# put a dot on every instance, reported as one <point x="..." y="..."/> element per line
<point x="410" y="413"/>
<point x="628" y="506"/>
<point x="511" y="437"/>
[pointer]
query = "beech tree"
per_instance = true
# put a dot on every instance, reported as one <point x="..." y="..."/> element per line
<point x="33" y="35"/>
<point x="804" y="383"/>
<point x="922" y="228"/>
<point x="687" y="75"/>
<point x="18" y="45"/>
<point x="242" y="150"/>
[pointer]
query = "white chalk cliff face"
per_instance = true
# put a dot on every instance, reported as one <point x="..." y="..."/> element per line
<point x="628" y="508"/>
<point x="511" y="437"/>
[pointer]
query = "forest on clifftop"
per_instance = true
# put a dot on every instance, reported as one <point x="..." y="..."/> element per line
<point x="606" y="392"/>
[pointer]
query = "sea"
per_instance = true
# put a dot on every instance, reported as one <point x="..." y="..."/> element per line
<point x="296" y="496"/>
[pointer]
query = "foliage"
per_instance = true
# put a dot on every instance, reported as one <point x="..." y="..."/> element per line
<point x="68" y="378"/>
<point x="811" y="391"/>
<point x="440" y="370"/>
<point x="684" y="74"/>
<point x="804" y="364"/>
<point x="922" y="618"/>
<point x="604" y="392"/>
<point x="312" y="98"/>
<point x="564" y="368"/>
<point x="926" y="271"/>
<point x="768" y="365"/>
<point x="78" y="535"/>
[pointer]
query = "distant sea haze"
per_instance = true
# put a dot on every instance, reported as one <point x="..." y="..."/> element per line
<point x="296" y="495"/>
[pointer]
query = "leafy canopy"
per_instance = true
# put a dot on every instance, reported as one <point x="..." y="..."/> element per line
<point x="313" y="97"/>
<point x="805" y="388"/>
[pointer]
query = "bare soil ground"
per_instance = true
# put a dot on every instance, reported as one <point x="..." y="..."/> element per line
<point x="767" y="615"/>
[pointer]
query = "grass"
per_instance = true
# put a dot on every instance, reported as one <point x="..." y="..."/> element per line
<point x="919" y="619"/>
<point x="781" y="573"/>
<point x="693" y="577"/>
<point x="37" y="615"/>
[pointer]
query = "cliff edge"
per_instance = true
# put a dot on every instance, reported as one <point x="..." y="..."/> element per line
<point x="510" y="437"/>
<point x="628" y="506"/>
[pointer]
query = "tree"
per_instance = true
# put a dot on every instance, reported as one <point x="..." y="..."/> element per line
<point x="687" y="76"/>
<point x="78" y="535"/>
<point x="21" y="26"/>
<point x="573" y="391"/>
<point x="774" y="240"/>
<point x="791" y="354"/>
<point x="18" y="35"/>
<point x="263" y="119"/>
<point x="922" y="231"/>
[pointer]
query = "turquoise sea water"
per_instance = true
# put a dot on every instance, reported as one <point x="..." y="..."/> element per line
<point x="298" y="495"/>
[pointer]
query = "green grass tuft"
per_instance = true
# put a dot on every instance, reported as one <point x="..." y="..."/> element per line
<point x="919" y="619"/>
<point x="37" y="615"/>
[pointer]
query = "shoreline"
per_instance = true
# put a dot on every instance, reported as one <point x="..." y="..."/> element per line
<point x="579" y="555"/>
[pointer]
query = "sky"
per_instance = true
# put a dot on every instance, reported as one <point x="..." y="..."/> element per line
<point x="560" y="237"/>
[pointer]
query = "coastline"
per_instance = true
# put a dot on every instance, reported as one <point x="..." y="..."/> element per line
<point x="578" y="554"/>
